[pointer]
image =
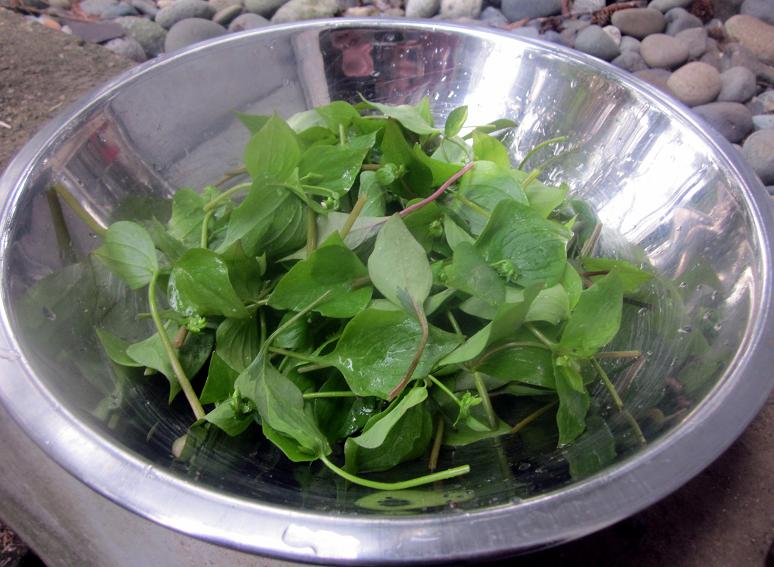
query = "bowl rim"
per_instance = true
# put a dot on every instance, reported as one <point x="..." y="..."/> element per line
<point x="586" y="506"/>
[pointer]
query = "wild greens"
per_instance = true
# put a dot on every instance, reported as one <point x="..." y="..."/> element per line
<point x="371" y="286"/>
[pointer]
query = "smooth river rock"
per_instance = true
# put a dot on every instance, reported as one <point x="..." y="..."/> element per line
<point x="694" y="40"/>
<point x="639" y="22"/>
<point x="516" y="10"/>
<point x="305" y="10"/>
<point x="422" y="8"/>
<point x="761" y="9"/>
<point x="731" y="119"/>
<point x="666" y="5"/>
<point x="738" y="85"/>
<point x="695" y="83"/>
<point x="189" y="31"/>
<point x="461" y="8"/>
<point x="754" y="34"/>
<point x="597" y="42"/>
<point x="183" y="9"/>
<point x="758" y="150"/>
<point x="664" y="51"/>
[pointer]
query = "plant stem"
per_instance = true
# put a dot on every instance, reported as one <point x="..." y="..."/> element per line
<point x="432" y="462"/>
<point x="588" y="246"/>
<point x="460" y="145"/>
<point x="230" y="175"/>
<point x="418" y="481"/>
<point x="225" y="195"/>
<point x="534" y="174"/>
<point x="179" y="340"/>
<point x="445" y="390"/>
<point x="455" y="325"/>
<point x="475" y="207"/>
<point x="608" y="384"/>
<point x="419" y="312"/>
<point x="314" y="395"/>
<point x="311" y="368"/>
<point x="635" y="427"/>
<point x="352" y="217"/>
<point x="342" y="135"/>
<point x="292" y="354"/>
<point x="539" y="147"/>
<point x="551" y="345"/>
<point x="205" y="239"/>
<point x="438" y="192"/>
<point x="532" y="417"/>
<point x="357" y="283"/>
<point x="284" y="326"/>
<point x="486" y="402"/>
<point x="262" y="323"/>
<point x="63" y="239"/>
<point x="371" y="166"/>
<point x="311" y="231"/>
<point x="618" y="354"/>
<point x="182" y="379"/>
<point x="78" y="209"/>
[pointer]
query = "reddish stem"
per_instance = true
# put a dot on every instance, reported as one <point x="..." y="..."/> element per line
<point x="448" y="183"/>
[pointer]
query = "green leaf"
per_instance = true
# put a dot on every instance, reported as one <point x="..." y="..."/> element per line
<point x="334" y="167"/>
<point x="226" y="419"/>
<point x="286" y="232"/>
<point x="396" y="150"/>
<point x="486" y="185"/>
<point x="469" y="272"/>
<point x="372" y="190"/>
<point x="187" y="217"/>
<point x="573" y="285"/>
<point x="596" y="319"/>
<point x="487" y="148"/>
<point x="305" y="120"/>
<point x="245" y="273"/>
<point x="455" y="235"/>
<point x="192" y="355"/>
<point x="341" y="417"/>
<point x="297" y="335"/>
<point x="128" y="251"/>
<point x="593" y="450"/>
<point x="455" y="121"/>
<point x="535" y="246"/>
<point x="237" y="342"/>
<point x="115" y="347"/>
<point x="630" y="276"/>
<point x="551" y="305"/>
<point x="199" y="285"/>
<point x="287" y="445"/>
<point x="543" y="198"/>
<point x="338" y="113"/>
<point x="409" y="117"/>
<point x="273" y="152"/>
<point x="399" y="264"/>
<point x="253" y="122"/>
<point x="172" y="248"/>
<point x="574" y="400"/>
<point x="256" y="213"/>
<point x="527" y="365"/>
<point x="424" y="224"/>
<point x="494" y="126"/>
<point x="451" y="151"/>
<point x="281" y="405"/>
<point x="377" y="347"/>
<point x="220" y="381"/>
<point x="332" y="267"/>
<point x="390" y="437"/>
<point x="463" y="434"/>
<point x="439" y="170"/>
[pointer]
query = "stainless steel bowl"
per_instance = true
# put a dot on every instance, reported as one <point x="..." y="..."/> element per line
<point x="670" y="193"/>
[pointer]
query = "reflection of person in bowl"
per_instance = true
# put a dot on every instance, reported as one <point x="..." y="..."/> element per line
<point x="356" y="60"/>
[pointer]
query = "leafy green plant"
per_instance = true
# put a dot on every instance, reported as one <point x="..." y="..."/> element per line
<point x="369" y="290"/>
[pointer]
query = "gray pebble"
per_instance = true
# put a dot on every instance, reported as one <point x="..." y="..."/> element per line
<point x="731" y="119"/>
<point x="694" y="40"/>
<point x="189" y="31"/>
<point x="679" y="19"/>
<point x="127" y="47"/>
<point x="738" y="85"/>
<point x="422" y="8"/>
<point x="595" y="41"/>
<point x="265" y="8"/>
<point x="695" y="83"/>
<point x="584" y="6"/>
<point x="763" y="103"/>
<point x="755" y="35"/>
<point x="666" y="5"/>
<point x="460" y="8"/>
<point x="247" y="22"/>
<point x="613" y="32"/>
<point x="656" y="77"/>
<point x="631" y="61"/>
<point x="758" y="150"/>
<point x="737" y="55"/>
<point x="715" y="29"/>
<point x="639" y="22"/>
<point x="119" y="10"/>
<point x="553" y="37"/>
<point x="763" y="122"/>
<point x="516" y="10"/>
<point x="305" y="10"/>
<point x="761" y="9"/>
<point x="183" y="9"/>
<point x="98" y="7"/>
<point x="218" y="5"/>
<point x="490" y="15"/>
<point x="148" y="34"/>
<point x="724" y="9"/>
<point x="146" y="7"/>
<point x="62" y="4"/>
<point x="660" y="50"/>
<point x="225" y="16"/>
<point x="629" y="43"/>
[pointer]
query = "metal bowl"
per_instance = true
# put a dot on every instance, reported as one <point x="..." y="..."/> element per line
<point x="670" y="193"/>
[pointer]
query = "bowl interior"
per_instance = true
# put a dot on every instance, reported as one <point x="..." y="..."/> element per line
<point x="666" y="195"/>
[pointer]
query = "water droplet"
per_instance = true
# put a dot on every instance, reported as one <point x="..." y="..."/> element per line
<point x="683" y="285"/>
<point x="686" y="329"/>
<point x="524" y="466"/>
<point x="717" y="327"/>
<point x="48" y="314"/>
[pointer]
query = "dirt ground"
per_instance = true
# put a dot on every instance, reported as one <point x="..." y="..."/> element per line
<point x="725" y="516"/>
